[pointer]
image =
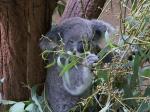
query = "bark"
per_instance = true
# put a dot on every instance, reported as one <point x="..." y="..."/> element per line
<point x="83" y="8"/>
<point x="21" y="24"/>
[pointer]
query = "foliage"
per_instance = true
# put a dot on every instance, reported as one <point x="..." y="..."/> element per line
<point x="60" y="8"/>
<point x="119" y="85"/>
<point x="35" y="104"/>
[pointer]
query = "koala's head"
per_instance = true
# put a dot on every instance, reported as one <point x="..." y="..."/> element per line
<point x="75" y="33"/>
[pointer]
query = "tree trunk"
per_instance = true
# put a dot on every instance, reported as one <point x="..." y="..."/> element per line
<point x="21" y="24"/>
<point x="83" y="8"/>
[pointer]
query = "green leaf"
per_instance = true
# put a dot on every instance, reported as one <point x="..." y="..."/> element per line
<point x="145" y="72"/>
<point x="144" y="107"/>
<point x="7" y="102"/>
<point x="104" y="51"/>
<point x="108" y="39"/>
<point x="67" y="67"/>
<point x="103" y="75"/>
<point x="60" y="8"/>
<point x="35" y="99"/>
<point x="31" y="108"/>
<point x="147" y="91"/>
<point x="135" y="77"/>
<point x="18" y="107"/>
<point x="134" y="4"/>
<point x="50" y="64"/>
<point x="59" y="62"/>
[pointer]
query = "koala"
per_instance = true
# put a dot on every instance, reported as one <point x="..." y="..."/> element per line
<point x="64" y="92"/>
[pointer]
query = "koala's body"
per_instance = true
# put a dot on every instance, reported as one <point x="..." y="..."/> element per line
<point x="64" y="92"/>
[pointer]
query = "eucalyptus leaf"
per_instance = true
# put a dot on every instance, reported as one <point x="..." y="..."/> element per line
<point x="50" y="64"/>
<point x="17" y="107"/>
<point x="35" y="99"/>
<point x="60" y="8"/>
<point x="7" y="102"/>
<point x="68" y="65"/>
<point x="103" y="75"/>
<point x="134" y="4"/>
<point x="147" y="91"/>
<point x="59" y="63"/>
<point x="108" y="39"/>
<point x="135" y="76"/>
<point x="32" y="108"/>
<point x="145" y="72"/>
<point x="144" y="107"/>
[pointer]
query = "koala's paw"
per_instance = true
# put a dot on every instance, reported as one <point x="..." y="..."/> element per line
<point x="90" y="59"/>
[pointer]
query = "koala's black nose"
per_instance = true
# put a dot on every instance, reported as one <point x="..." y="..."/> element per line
<point x="80" y="49"/>
<point x="74" y="51"/>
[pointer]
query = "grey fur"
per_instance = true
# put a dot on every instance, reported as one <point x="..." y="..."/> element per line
<point x="64" y="92"/>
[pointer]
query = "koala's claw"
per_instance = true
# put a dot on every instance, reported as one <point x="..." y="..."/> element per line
<point x="90" y="59"/>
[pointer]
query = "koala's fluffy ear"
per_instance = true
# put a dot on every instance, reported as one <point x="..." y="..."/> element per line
<point x="100" y="27"/>
<point x="51" y="39"/>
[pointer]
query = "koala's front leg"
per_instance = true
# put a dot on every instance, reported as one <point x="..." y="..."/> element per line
<point x="90" y="59"/>
<point x="79" y="79"/>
